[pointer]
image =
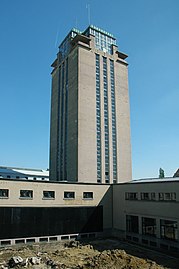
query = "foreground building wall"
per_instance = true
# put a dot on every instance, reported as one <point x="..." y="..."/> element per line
<point x="148" y="213"/>
<point x="145" y="212"/>
<point x="42" y="208"/>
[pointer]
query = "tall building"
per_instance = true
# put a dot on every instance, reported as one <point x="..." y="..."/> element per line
<point x="90" y="118"/>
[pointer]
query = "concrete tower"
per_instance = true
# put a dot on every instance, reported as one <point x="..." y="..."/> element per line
<point x="90" y="119"/>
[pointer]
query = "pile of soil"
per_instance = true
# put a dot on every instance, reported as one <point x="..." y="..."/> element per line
<point x="97" y="254"/>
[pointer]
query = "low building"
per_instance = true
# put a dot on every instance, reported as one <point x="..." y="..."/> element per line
<point x="144" y="211"/>
<point x="23" y="173"/>
<point x="147" y="212"/>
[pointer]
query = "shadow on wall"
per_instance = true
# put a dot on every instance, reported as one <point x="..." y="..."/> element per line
<point x="22" y="222"/>
<point x="107" y="203"/>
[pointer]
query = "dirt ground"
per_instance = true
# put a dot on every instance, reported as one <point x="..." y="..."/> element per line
<point x="101" y="253"/>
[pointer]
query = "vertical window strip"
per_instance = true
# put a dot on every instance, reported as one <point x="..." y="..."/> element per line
<point x="66" y="120"/>
<point x="98" y="119"/>
<point x="106" y="118"/>
<point x="113" y="108"/>
<point x="58" y="125"/>
<point x="62" y="126"/>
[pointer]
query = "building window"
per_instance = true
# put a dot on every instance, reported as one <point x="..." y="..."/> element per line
<point x="4" y="193"/>
<point x="28" y="194"/>
<point x="87" y="195"/>
<point x="167" y="196"/>
<point x="132" y="224"/>
<point x="169" y="229"/>
<point x="48" y="194"/>
<point x="131" y="196"/>
<point x="149" y="226"/>
<point x="153" y="196"/>
<point x="147" y="196"/>
<point x="8" y="177"/>
<point x="69" y="195"/>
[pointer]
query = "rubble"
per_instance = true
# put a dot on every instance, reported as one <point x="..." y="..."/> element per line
<point x="77" y="255"/>
<point x="14" y="261"/>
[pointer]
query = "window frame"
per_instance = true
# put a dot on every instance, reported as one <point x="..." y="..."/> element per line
<point x="5" y="191"/>
<point x="69" y="192"/>
<point x="88" y="198"/>
<point x="26" y="197"/>
<point x="131" y="221"/>
<point x="129" y="196"/>
<point x="164" y="228"/>
<point x="48" y="197"/>
<point x="149" y="227"/>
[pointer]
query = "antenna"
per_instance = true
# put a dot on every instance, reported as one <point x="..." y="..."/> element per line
<point x="76" y="23"/>
<point x="89" y="15"/>
<point x="56" y="39"/>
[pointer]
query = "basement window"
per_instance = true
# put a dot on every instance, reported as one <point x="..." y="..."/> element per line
<point x="4" y="193"/>
<point x="69" y="195"/>
<point x="26" y="194"/>
<point x="87" y="195"/>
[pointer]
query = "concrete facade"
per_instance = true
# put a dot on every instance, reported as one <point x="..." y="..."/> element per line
<point x="73" y="133"/>
<point x="144" y="212"/>
<point x="152" y="200"/>
<point x="102" y="195"/>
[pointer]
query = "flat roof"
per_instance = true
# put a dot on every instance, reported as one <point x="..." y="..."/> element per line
<point x="26" y="171"/>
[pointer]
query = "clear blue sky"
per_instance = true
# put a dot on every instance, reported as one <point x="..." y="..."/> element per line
<point x="148" y="31"/>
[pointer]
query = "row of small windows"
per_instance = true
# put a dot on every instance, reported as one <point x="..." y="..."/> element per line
<point x="168" y="228"/>
<point x="28" y="194"/>
<point x="151" y="196"/>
